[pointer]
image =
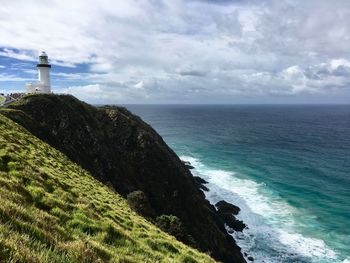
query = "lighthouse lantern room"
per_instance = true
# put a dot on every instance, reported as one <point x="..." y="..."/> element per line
<point x="43" y="85"/>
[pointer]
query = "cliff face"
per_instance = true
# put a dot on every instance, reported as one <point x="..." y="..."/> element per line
<point x="121" y="150"/>
<point x="54" y="211"/>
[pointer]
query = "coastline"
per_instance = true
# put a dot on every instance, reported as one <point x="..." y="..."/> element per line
<point x="292" y="186"/>
<point x="289" y="246"/>
<point x="158" y="183"/>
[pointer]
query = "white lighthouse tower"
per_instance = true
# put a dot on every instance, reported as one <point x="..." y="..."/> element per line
<point x="43" y="85"/>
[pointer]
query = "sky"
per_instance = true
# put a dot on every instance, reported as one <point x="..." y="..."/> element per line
<point x="180" y="51"/>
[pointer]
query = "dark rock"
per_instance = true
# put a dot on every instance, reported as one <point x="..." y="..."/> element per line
<point x="225" y="207"/>
<point x="200" y="183"/>
<point x="118" y="148"/>
<point x="250" y="258"/>
<point x="232" y="222"/>
<point x="226" y="212"/>
<point x="200" y="180"/>
<point x="188" y="165"/>
<point x="203" y="187"/>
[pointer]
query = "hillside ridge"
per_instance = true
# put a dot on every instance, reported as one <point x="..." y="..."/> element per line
<point x="54" y="211"/>
<point x="122" y="151"/>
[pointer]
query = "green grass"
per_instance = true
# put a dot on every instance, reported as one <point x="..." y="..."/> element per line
<point x="2" y="99"/>
<point x="51" y="210"/>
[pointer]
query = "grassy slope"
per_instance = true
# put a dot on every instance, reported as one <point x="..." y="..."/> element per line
<point x="51" y="210"/>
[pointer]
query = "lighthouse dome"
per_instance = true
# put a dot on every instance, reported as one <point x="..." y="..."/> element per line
<point x="43" y="54"/>
<point x="43" y="60"/>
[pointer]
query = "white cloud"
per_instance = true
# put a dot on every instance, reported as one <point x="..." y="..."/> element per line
<point x="9" y="77"/>
<point x="21" y="55"/>
<point x="336" y="63"/>
<point x="89" y="92"/>
<point x="146" y="50"/>
<point x="139" y="85"/>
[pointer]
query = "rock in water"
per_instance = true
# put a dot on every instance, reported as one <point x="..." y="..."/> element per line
<point x="121" y="150"/>
<point x="200" y="180"/>
<point x="232" y="222"/>
<point x="187" y="164"/>
<point x="226" y="207"/>
<point x="226" y="212"/>
<point x="200" y="183"/>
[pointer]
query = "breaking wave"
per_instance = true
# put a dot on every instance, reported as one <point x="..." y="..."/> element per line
<point x="274" y="234"/>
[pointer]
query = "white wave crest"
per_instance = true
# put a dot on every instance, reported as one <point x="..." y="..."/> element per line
<point x="273" y="234"/>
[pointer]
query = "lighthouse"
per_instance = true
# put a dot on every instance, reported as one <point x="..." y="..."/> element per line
<point x="43" y="85"/>
<point x="44" y="72"/>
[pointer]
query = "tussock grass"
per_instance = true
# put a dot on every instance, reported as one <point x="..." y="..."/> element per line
<point x="51" y="210"/>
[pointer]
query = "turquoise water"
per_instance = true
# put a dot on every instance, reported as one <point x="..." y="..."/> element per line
<point x="287" y="167"/>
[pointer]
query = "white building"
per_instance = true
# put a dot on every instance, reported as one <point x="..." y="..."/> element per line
<point x="43" y="85"/>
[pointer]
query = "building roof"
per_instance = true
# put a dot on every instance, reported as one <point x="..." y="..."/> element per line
<point x="43" y="54"/>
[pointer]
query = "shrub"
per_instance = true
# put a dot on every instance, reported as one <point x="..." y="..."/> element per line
<point x="173" y="226"/>
<point x="138" y="201"/>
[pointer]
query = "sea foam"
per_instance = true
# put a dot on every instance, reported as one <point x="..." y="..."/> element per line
<point x="272" y="234"/>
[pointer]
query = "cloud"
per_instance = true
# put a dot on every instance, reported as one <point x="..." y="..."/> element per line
<point x="192" y="71"/>
<point x="139" y="85"/>
<point x="174" y="51"/>
<point x="89" y="92"/>
<point x="11" y="78"/>
<point x="319" y="78"/>
<point x="20" y="55"/>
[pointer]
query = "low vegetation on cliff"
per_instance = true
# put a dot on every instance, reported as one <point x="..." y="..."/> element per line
<point x="54" y="211"/>
<point x="126" y="154"/>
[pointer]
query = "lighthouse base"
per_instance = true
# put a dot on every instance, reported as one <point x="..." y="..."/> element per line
<point x="37" y="88"/>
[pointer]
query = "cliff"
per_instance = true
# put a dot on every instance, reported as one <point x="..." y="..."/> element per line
<point x="54" y="211"/>
<point x="122" y="151"/>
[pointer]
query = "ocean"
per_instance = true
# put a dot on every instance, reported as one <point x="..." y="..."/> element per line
<point x="287" y="167"/>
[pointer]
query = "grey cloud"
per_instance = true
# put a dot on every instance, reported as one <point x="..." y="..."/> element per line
<point x="192" y="72"/>
<point x="342" y="71"/>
